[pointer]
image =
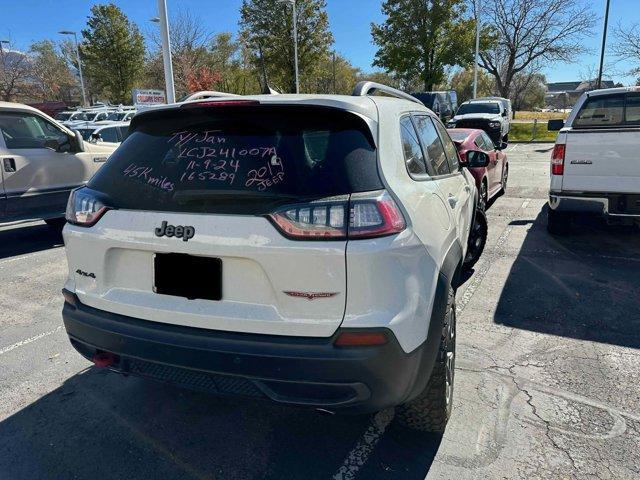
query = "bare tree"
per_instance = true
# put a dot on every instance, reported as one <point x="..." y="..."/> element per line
<point x="627" y="45"/>
<point x="530" y="34"/>
<point x="189" y="41"/>
<point x="15" y="72"/>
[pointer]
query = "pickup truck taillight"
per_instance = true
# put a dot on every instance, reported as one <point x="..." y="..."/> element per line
<point x="557" y="159"/>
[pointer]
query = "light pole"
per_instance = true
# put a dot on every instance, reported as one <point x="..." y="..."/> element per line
<point x="166" y="50"/>
<point x="75" y="37"/>
<point x="295" y="40"/>
<point x="475" y="65"/>
<point x="604" y="42"/>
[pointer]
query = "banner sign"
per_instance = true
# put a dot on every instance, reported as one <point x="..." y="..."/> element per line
<point x="148" y="97"/>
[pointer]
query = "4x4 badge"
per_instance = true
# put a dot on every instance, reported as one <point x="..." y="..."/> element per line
<point x="185" y="232"/>
<point x="311" y="295"/>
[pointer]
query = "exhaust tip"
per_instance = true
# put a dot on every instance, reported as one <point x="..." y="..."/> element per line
<point x="105" y="359"/>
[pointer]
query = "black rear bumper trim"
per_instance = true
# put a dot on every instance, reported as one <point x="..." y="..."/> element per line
<point x="303" y="371"/>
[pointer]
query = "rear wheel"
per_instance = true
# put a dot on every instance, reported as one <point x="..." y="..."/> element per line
<point x="558" y="223"/>
<point x="55" y="223"/>
<point x="477" y="239"/>
<point x="483" y="196"/>
<point x="505" y="177"/>
<point x="430" y="411"/>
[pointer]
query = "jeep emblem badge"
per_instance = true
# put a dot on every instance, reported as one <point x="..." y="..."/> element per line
<point x="185" y="232"/>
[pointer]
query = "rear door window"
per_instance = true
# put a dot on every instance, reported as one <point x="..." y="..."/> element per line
<point x="413" y="157"/>
<point x="109" y="135"/>
<point x="601" y="112"/>
<point x="449" y="148"/>
<point x="432" y="145"/>
<point x="632" y="109"/>
<point x="238" y="159"/>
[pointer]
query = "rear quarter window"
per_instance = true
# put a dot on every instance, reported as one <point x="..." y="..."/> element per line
<point x="601" y="112"/>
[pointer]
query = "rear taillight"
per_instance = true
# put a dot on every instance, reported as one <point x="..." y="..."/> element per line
<point x="361" y="215"/>
<point x="84" y="208"/>
<point x="557" y="159"/>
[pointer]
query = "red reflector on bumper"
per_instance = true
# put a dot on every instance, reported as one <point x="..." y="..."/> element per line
<point x="105" y="359"/>
<point x="360" y="339"/>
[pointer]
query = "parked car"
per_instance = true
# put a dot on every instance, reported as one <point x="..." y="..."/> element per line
<point x="316" y="268"/>
<point x="111" y="133"/>
<point x="488" y="115"/>
<point x="96" y="116"/>
<point x="42" y="161"/>
<point x="120" y="116"/>
<point x="491" y="180"/>
<point x="594" y="165"/>
<point x="506" y="103"/>
<point x="70" y="118"/>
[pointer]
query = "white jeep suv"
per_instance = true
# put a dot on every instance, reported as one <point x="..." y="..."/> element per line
<point x="299" y="248"/>
<point x="594" y="165"/>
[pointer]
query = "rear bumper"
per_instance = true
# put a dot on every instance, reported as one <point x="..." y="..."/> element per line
<point x="608" y="204"/>
<point x="293" y="370"/>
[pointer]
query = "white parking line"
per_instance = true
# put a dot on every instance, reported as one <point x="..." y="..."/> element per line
<point x="29" y="340"/>
<point x="359" y="454"/>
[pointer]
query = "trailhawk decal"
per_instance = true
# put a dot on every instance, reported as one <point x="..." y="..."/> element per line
<point x="311" y="295"/>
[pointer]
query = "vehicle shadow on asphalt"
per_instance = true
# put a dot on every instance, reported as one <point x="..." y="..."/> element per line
<point x="19" y="239"/>
<point x="583" y="285"/>
<point x="101" y="425"/>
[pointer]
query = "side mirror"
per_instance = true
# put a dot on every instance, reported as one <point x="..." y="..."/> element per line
<point x="79" y="141"/>
<point x="96" y="137"/>
<point x="476" y="158"/>
<point x="502" y="145"/>
<point x="555" y="125"/>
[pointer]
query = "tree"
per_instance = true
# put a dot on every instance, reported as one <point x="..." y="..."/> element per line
<point x="462" y="83"/>
<point x="189" y="52"/>
<point x="420" y="39"/>
<point x="15" y="73"/>
<point x="267" y="29"/>
<point x="627" y="45"/>
<point x="335" y="75"/>
<point x="51" y="77"/>
<point x="113" y="52"/>
<point x="530" y="34"/>
<point x="528" y="91"/>
<point x="204" y="78"/>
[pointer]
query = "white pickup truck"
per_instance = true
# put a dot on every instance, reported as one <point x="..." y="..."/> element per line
<point x="595" y="165"/>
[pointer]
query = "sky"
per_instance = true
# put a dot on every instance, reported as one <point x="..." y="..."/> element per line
<point x="25" y="21"/>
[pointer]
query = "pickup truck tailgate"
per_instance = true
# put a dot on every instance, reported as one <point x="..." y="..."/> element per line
<point x="602" y="160"/>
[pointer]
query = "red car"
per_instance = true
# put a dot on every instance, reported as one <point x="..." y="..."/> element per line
<point x="492" y="179"/>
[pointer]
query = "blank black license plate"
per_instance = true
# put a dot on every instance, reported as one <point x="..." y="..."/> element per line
<point x="188" y="276"/>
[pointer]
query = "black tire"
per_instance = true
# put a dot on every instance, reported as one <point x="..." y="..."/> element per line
<point x="483" y="196"/>
<point x="430" y="411"/>
<point x="477" y="239"/>
<point x="558" y="223"/>
<point x="505" y="178"/>
<point x="55" y="223"/>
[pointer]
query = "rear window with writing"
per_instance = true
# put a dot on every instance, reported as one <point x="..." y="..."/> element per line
<point x="205" y="162"/>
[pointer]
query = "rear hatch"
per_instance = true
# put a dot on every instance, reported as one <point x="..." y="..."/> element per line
<point x="602" y="146"/>
<point x="191" y="239"/>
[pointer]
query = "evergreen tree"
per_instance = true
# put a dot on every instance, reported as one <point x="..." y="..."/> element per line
<point x="267" y="27"/>
<point x="113" y="52"/>
<point x="421" y="38"/>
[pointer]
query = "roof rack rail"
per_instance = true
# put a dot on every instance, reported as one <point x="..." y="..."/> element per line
<point x="367" y="88"/>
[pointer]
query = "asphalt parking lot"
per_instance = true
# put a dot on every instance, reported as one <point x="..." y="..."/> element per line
<point x="547" y="382"/>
